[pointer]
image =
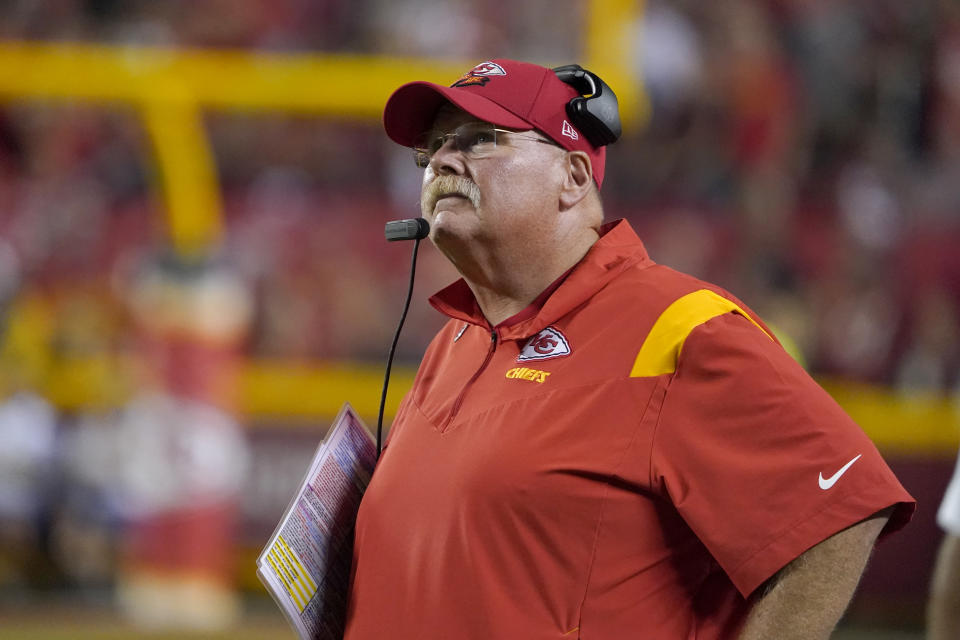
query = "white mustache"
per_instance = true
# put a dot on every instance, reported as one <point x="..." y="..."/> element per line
<point x="446" y="185"/>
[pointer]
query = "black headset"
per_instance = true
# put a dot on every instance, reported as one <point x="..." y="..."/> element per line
<point x="595" y="111"/>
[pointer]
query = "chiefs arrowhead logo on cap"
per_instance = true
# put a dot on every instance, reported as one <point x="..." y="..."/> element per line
<point x="549" y="343"/>
<point x="480" y="75"/>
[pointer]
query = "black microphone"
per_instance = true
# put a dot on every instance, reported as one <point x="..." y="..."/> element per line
<point x="410" y="229"/>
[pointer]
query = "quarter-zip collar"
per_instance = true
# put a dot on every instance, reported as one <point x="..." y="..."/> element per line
<point x="618" y="248"/>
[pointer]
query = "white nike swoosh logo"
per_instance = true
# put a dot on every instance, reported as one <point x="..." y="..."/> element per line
<point x="826" y="483"/>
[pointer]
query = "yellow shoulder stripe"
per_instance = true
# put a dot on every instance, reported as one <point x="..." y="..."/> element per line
<point x="662" y="346"/>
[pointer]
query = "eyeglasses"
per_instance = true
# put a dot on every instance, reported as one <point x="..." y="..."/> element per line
<point x="473" y="139"/>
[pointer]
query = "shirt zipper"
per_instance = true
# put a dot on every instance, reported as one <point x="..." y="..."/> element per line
<point x="463" y="392"/>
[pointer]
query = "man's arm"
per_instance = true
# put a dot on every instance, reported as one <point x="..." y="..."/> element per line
<point x="943" y="610"/>
<point x="806" y="599"/>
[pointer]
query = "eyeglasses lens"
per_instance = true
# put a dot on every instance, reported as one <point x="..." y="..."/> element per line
<point x="475" y="139"/>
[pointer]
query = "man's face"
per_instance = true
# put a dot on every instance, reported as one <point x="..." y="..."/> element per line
<point x="490" y="202"/>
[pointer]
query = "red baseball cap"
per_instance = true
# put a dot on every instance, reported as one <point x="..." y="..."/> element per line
<point x="507" y="93"/>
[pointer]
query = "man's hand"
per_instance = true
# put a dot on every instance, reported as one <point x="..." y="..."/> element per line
<point x="806" y="599"/>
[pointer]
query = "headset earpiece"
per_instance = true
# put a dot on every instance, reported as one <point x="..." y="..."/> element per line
<point x="595" y="111"/>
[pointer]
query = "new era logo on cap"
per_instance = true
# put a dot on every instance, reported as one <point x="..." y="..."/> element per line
<point x="569" y="131"/>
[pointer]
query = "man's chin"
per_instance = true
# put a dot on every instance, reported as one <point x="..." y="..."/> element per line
<point x="450" y="223"/>
<point x="449" y="211"/>
<point x="440" y="223"/>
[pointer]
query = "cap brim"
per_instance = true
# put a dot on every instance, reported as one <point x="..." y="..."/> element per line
<point x="412" y="108"/>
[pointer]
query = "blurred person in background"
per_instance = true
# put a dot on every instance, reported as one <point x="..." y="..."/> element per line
<point x="184" y="454"/>
<point x="28" y="432"/>
<point x="595" y="445"/>
<point x="943" y="609"/>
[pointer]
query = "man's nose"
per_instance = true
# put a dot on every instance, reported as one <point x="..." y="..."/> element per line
<point x="448" y="160"/>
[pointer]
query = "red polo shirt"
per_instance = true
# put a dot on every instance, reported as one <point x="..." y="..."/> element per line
<point x="630" y="458"/>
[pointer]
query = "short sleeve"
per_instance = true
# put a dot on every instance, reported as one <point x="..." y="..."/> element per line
<point x="757" y="458"/>
<point x="948" y="516"/>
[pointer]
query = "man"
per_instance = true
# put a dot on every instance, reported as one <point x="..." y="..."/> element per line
<point x="595" y="446"/>
<point x="943" y="609"/>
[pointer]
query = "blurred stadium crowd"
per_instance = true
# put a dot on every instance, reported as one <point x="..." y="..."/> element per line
<point x="802" y="153"/>
<point x="805" y="154"/>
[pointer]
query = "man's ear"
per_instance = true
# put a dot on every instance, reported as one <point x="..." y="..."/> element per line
<point x="578" y="180"/>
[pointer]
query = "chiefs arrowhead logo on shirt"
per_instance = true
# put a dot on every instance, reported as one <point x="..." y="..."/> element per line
<point x="549" y="343"/>
<point x="480" y="75"/>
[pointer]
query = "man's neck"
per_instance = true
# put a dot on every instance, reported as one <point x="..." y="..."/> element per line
<point x="515" y="284"/>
